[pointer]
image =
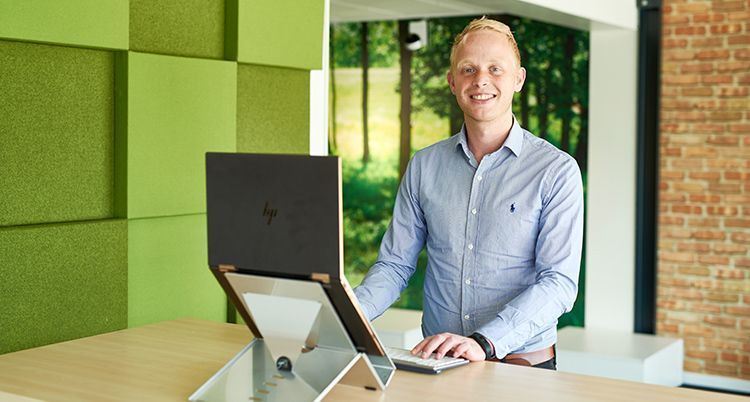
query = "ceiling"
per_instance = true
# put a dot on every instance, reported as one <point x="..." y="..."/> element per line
<point x="579" y="14"/>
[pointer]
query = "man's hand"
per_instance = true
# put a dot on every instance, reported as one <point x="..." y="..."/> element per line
<point x="441" y="344"/>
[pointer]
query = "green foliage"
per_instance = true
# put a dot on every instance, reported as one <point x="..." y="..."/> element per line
<point x="369" y="194"/>
<point x="382" y="43"/>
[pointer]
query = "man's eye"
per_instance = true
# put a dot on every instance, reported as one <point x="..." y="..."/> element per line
<point x="496" y="70"/>
<point x="468" y="70"/>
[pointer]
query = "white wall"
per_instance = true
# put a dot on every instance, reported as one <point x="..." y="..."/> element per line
<point x="319" y="95"/>
<point x="610" y="220"/>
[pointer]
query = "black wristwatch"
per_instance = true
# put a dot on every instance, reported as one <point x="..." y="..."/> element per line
<point x="489" y="351"/>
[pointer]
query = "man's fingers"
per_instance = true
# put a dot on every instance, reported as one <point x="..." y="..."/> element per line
<point x="447" y="345"/>
<point x="431" y="345"/>
<point x="459" y="350"/>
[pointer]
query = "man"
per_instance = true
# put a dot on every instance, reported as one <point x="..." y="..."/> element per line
<point x="501" y="214"/>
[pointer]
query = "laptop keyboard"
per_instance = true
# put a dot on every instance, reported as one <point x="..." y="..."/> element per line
<point x="406" y="361"/>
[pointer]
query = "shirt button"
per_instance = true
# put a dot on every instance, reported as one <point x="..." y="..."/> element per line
<point x="466" y="317"/>
<point x="474" y="211"/>
<point x="468" y="281"/>
<point x="471" y="247"/>
<point x="479" y="178"/>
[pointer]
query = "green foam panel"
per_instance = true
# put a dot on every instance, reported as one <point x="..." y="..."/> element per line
<point x="56" y="133"/>
<point x="168" y="275"/>
<point x="192" y="28"/>
<point x="178" y="109"/>
<point x="87" y="23"/>
<point x="286" y="33"/>
<point x="61" y="282"/>
<point x="273" y="110"/>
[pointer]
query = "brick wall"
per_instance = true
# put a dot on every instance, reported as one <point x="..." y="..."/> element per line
<point x="704" y="189"/>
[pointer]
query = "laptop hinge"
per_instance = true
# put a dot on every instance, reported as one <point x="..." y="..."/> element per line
<point x="227" y="268"/>
<point x="322" y="278"/>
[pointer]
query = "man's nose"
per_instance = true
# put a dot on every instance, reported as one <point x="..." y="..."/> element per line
<point x="481" y="80"/>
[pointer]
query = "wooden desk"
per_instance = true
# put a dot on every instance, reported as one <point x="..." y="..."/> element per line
<point x="168" y="361"/>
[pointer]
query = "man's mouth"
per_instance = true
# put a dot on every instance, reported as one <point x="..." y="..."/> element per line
<point x="482" y="97"/>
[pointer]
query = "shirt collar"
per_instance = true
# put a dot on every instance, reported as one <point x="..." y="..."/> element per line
<point x="514" y="142"/>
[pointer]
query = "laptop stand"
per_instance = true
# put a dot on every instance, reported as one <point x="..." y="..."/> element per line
<point x="301" y="348"/>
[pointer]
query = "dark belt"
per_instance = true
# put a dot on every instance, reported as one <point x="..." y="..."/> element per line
<point x="530" y="358"/>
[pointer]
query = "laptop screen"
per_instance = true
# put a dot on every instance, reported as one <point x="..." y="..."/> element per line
<point x="277" y="215"/>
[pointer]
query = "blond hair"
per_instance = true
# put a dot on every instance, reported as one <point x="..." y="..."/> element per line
<point x="481" y="24"/>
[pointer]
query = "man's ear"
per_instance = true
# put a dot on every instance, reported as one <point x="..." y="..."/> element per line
<point x="520" y="79"/>
<point x="451" y="82"/>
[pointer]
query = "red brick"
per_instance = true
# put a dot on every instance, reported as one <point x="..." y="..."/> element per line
<point x="705" y="308"/>
<point x="723" y="211"/>
<point x="725" y="116"/>
<point x="671" y="197"/>
<point x="730" y="357"/>
<point x="721" y="54"/>
<point x="710" y="42"/>
<point x="701" y="354"/>
<point x="738" y="310"/>
<point x="676" y="233"/>
<point x="729" y="274"/>
<point x="709" y="128"/>
<point x="698" y="330"/>
<point x="738" y="223"/>
<point x="733" y="66"/>
<point x="722" y="344"/>
<point x="737" y="15"/>
<point x="723" y="297"/>
<point x="739" y="40"/>
<point x="710" y="176"/>
<point x="692" y="365"/>
<point x="724" y="248"/>
<point x="741" y="237"/>
<point x="695" y="271"/>
<point x="680" y="79"/>
<point x="703" y="222"/>
<point x="721" y="321"/>
<point x="677" y="257"/>
<point x="671" y="220"/>
<point x="726" y="28"/>
<point x="679" y="54"/>
<point x="713" y="259"/>
<point x="708" y="235"/>
<point x="735" y="176"/>
<point x="727" y="5"/>
<point x="727" y="92"/>
<point x="687" y="163"/>
<point x="705" y="198"/>
<point x="743" y="263"/>
<point x="693" y="8"/>
<point x="690" y="187"/>
<point x="671" y="175"/>
<point x="723" y="140"/>
<point x="737" y="199"/>
<point x="687" y="209"/>
<point x="724" y="188"/>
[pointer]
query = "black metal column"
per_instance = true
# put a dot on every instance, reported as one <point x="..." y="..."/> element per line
<point x="647" y="191"/>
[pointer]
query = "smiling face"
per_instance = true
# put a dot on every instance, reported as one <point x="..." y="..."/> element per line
<point x="485" y="76"/>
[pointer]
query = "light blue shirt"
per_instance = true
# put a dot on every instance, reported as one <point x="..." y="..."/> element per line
<point x="503" y="240"/>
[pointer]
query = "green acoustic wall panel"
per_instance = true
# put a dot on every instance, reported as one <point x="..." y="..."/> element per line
<point x="285" y="33"/>
<point x="273" y="110"/>
<point x="178" y="109"/>
<point x="168" y="275"/>
<point x="88" y="23"/>
<point x="180" y="27"/>
<point x="56" y="133"/>
<point x="61" y="282"/>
